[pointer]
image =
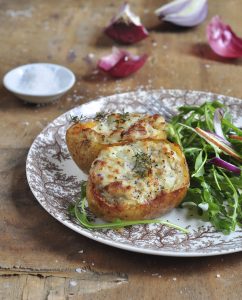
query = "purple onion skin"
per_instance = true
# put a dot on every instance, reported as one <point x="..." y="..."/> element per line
<point x="221" y="139"/>
<point x="225" y="165"/>
<point x="126" y="67"/>
<point x="107" y="62"/>
<point x="126" y="33"/>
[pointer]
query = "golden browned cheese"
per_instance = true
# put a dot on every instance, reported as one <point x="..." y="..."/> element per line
<point x="85" y="140"/>
<point x="140" y="180"/>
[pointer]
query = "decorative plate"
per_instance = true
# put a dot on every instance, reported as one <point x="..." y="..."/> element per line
<point x="55" y="180"/>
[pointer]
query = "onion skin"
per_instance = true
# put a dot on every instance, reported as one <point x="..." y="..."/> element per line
<point x="126" y="34"/>
<point x="171" y="8"/>
<point x="225" y="165"/>
<point x="126" y="67"/>
<point x="218" y="116"/>
<point x="213" y="140"/>
<point x="121" y="63"/>
<point x="222" y="40"/>
<point x="184" y="13"/>
<point x="126" y="27"/>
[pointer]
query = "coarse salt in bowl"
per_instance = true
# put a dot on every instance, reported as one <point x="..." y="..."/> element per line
<point x="39" y="82"/>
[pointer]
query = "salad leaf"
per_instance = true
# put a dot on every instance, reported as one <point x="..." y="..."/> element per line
<point x="219" y="189"/>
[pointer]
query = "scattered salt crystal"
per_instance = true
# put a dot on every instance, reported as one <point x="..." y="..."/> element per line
<point x="81" y="251"/>
<point x="20" y="13"/>
<point x="93" y="264"/>
<point x="174" y="278"/>
<point x="155" y="274"/>
<point x="89" y="58"/>
<point x="80" y="270"/>
<point x="73" y="283"/>
<point x="207" y="66"/>
<point x="84" y="261"/>
<point x="154" y="43"/>
<point x="39" y="79"/>
<point x="26" y="123"/>
<point x="218" y="276"/>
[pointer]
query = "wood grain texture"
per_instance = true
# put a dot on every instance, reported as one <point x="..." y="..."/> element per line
<point x="39" y="257"/>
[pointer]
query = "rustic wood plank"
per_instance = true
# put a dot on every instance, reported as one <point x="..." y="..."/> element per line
<point x="39" y="256"/>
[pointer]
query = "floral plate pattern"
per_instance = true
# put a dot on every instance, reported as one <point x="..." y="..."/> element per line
<point x="55" y="179"/>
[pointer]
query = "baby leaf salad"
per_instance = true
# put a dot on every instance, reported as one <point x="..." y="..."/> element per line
<point x="212" y="145"/>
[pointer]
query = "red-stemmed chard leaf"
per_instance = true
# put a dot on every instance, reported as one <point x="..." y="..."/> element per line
<point x="126" y="27"/>
<point x="121" y="63"/>
<point x="223" y="40"/>
<point x="187" y="13"/>
<point x="225" y="165"/>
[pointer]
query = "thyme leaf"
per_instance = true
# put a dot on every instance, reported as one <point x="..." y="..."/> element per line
<point x="142" y="164"/>
<point x="77" y="119"/>
<point x="100" y="116"/>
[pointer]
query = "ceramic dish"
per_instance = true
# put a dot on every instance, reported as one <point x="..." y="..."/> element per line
<point x="39" y="82"/>
<point x="55" y="180"/>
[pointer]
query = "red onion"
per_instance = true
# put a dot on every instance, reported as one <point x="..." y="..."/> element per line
<point x="225" y="165"/>
<point x="218" y="116"/>
<point x="126" y="27"/>
<point x="121" y="63"/>
<point x="212" y="139"/>
<point x="186" y="13"/>
<point x="223" y="40"/>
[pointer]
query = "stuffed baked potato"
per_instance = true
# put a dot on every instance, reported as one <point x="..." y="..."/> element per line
<point x="139" y="180"/>
<point x="86" y="139"/>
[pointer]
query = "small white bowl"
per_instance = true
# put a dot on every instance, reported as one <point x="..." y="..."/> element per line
<point x="39" y="82"/>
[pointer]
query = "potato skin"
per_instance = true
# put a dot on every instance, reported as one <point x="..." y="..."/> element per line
<point x="84" y="143"/>
<point x="83" y="151"/>
<point x="162" y="203"/>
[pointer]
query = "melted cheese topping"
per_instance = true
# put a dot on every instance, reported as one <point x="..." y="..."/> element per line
<point x="116" y="178"/>
<point x="121" y="127"/>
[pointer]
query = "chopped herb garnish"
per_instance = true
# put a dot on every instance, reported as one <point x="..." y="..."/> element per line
<point x="77" y="119"/>
<point x="124" y="116"/>
<point x="142" y="164"/>
<point x="100" y="116"/>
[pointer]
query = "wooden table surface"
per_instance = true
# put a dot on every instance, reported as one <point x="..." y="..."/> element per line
<point x="38" y="255"/>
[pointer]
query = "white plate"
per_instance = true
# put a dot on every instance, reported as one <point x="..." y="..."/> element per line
<point x="55" y="180"/>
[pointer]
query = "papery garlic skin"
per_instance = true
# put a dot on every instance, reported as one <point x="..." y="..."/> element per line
<point x="126" y="27"/>
<point x="187" y="13"/>
<point x="223" y="40"/>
